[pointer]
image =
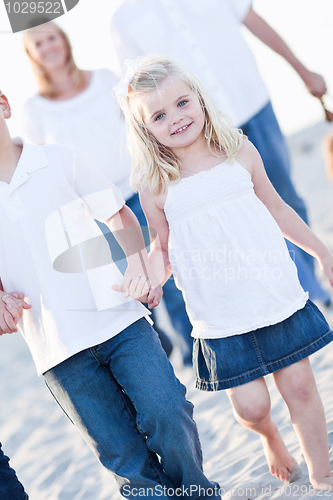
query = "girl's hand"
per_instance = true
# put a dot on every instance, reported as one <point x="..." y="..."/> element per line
<point x="154" y="297"/>
<point x="326" y="264"/>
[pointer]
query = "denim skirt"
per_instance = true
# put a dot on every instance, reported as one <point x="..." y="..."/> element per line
<point x="236" y="360"/>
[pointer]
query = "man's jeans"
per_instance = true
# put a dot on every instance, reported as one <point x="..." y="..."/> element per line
<point x="10" y="486"/>
<point x="264" y="132"/>
<point x="127" y="403"/>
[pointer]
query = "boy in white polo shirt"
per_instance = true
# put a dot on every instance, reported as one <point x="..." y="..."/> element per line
<point x="98" y="354"/>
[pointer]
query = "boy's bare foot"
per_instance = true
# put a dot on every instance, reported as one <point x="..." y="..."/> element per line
<point x="324" y="484"/>
<point x="280" y="462"/>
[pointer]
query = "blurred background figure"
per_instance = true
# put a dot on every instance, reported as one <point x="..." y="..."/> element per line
<point x="327" y="103"/>
<point x="10" y="486"/>
<point x="77" y="108"/>
<point x="205" y="37"/>
<point x="328" y="154"/>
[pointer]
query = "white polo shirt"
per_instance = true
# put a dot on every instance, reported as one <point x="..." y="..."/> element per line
<point x="52" y="250"/>
<point x="205" y="37"/>
<point x="90" y="122"/>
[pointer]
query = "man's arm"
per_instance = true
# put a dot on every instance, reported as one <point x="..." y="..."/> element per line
<point x="258" y="26"/>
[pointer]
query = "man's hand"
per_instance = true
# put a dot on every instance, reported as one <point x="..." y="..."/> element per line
<point x="12" y="306"/>
<point x="314" y="83"/>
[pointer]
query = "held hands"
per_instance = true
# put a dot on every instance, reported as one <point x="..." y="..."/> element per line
<point x="140" y="288"/>
<point x="11" y="310"/>
<point x="140" y="283"/>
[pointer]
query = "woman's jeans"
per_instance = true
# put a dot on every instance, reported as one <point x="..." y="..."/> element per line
<point x="264" y="132"/>
<point x="10" y="486"/>
<point x="130" y="408"/>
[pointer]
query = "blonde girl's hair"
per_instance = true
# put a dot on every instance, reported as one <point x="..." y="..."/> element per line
<point x="46" y="89"/>
<point x="155" y="165"/>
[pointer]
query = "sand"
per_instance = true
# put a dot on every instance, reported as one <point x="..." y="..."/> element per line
<point x="53" y="461"/>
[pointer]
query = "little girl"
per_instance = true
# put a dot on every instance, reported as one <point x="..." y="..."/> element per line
<point x="204" y="189"/>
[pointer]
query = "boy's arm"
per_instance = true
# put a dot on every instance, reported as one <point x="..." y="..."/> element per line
<point x="158" y="255"/>
<point x="138" y="277"/>
<point x="292" y="226"/>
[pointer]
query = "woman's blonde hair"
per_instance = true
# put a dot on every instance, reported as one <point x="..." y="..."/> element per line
<point x="155" y="165"/>
<point x="46" y="88"/>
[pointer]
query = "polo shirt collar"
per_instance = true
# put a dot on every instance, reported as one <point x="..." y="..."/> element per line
<point x="32" y="158"/>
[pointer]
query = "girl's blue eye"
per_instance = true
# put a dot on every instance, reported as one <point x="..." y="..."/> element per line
<point x="158" y="117"/>
<point x="182" y="103"/>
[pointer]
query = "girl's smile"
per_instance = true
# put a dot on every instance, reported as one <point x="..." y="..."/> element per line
<point x="182" y="129"/>
<point x="173" y="114"/>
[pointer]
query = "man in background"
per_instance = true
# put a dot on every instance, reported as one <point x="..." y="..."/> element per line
<point x="205" y="37"/>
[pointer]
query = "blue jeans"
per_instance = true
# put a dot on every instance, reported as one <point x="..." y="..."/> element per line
<point x="173" y="297"/>
<point x="264" y="132"/>
<point x="10" y="486"/>
<point x="130" y="408"/>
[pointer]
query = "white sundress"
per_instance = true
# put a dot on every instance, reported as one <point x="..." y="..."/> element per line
<point x="228" y="255"/>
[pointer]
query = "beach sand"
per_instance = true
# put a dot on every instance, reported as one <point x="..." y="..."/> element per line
<point x="53" y="461"/>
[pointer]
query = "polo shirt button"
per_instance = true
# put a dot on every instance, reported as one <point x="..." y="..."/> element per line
<point x="10" y="197"/>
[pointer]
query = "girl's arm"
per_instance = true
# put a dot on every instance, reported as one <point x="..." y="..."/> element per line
<point x="158" y="255"/>
<point x="292" y="226"/>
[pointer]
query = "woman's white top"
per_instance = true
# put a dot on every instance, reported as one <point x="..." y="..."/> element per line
<point x="228" y="255"/>
<point x="90" y="121"/>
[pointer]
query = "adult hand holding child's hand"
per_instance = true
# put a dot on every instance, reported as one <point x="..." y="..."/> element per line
<point x="11" y="310"/>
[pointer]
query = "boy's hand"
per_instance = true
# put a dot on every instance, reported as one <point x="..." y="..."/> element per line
<point x="11" y="310"/>
<point x="140" y="288"/>
<point x="137" y="288"/>
<point x="140" y="282"/>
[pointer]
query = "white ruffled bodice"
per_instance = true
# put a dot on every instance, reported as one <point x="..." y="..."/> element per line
<point x="228" y="254"/>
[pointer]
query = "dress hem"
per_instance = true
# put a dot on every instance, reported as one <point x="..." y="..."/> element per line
<point x="267" y="368"/>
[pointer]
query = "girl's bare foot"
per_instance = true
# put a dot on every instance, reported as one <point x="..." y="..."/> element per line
<point x="324" y="484"/>
<point x="279" y="460"/>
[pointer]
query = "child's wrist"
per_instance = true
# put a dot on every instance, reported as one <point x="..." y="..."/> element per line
<point x="324" y="255"/>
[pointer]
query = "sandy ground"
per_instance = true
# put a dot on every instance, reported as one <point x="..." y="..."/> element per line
<point x="52" y="459"/>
